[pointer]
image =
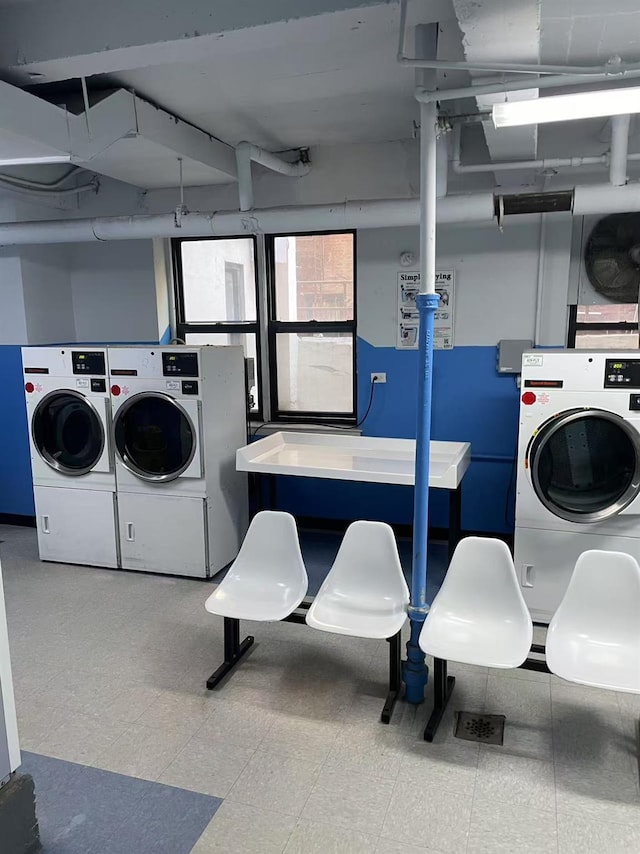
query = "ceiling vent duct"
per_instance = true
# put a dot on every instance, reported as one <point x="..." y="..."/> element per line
<point x="533" y="203"/>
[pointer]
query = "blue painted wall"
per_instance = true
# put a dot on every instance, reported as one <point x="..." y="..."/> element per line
<point x="471" y="403"/>
<point x="16" y="494"/>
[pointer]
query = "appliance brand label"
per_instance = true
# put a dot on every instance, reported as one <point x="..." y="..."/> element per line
<point x="543" y="383"/>
<point x="82" y="383"/>
<point x="173" y="385"/>
<point x="531" y="361"/>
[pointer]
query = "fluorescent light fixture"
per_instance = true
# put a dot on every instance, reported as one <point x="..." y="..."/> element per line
<point x="563" y="108"/>
<point x="35" y="161"/>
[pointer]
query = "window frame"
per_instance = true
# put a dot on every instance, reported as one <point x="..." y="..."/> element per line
<point x="275" y="327"/>
<point x="575" y="326"/>
<point x="220" y="327"/>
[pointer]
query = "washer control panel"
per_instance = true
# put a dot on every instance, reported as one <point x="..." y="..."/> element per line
<point x="180" y="364"/>
<point x="622" y="373"/>
<point x="88" y="362"/>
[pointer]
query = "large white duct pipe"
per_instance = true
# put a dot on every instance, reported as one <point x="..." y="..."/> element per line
<point x="606" y="199"/>
<point x="477" y="207"/>
<point x="619" y="150"/>
<point x="246" y="153"/>
<point x="357" y="214"/>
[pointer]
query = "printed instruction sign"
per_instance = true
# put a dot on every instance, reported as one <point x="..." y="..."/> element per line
<point x="408" y="320"/>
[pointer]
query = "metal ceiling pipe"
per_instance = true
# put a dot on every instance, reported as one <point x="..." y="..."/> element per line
<point x="246" y="153"/>
<point x="619" y="150"/>
<point x="517" y="67"/>
<point x="427" y="96"/>
<point x="514" y="165"/>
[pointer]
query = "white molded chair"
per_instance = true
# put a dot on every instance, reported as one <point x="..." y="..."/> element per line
<point x="365" y="594"/>
<point x="268" y="579"/>
<point x="594" y="636"/>
<point x="479" y="616"/>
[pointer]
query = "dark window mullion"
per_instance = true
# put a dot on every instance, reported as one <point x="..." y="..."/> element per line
<point x="289" y="326"/>
<point x="220" y="328"/>
<point x="621" y="326"/>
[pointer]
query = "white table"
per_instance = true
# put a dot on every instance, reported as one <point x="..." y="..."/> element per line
<point x="359" y="458"/>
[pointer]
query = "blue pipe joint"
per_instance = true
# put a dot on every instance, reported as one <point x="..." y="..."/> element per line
<point x="427" y="302"/>
<point x="415" y="673"/>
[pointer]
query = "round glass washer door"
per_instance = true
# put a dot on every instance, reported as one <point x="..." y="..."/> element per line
<point x="67" y="432"/>
<point x="585" y="464"/>
<point x="154" y="437"/>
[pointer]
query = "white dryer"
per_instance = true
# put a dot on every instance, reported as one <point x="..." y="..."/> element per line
<point x="69" y="419"/>
<point x="179" y="416"/>
<point x="578" y="481"/>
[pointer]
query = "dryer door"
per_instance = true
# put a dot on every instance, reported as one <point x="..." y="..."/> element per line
<point x="585" y="464"/>
<point x="156" y="437"/>
<point x="69" y="433"/>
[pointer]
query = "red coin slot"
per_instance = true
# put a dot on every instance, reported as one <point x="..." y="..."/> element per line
<point x="528" y="398"/>
<point x="115" y="390"/>
<point x="29" y="387"/>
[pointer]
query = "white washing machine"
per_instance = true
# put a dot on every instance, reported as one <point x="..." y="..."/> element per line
<point x="179" y="416"/>
<point x="69" y="419"/>
<point x="578" y="482"/>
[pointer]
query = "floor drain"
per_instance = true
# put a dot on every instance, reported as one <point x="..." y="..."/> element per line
<point x="487" y="729"/>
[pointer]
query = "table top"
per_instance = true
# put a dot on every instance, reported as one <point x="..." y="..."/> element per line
<point x="361" y="458"/>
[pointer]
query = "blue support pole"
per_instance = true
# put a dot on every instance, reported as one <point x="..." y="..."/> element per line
<point x="415" y="671"/>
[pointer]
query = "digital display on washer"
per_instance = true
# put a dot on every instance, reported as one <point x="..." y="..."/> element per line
<point x="180" y="364"/>
<point x="88" y="362"/>
<point x="622" y="373"/>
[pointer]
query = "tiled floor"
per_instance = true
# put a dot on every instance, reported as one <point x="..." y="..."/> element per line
<point x="110" y="668"/>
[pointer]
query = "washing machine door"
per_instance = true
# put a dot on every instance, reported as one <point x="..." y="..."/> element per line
<point x="585" y="464"/>
<point x="155" y="437"/>
<point x="68" y="432"/>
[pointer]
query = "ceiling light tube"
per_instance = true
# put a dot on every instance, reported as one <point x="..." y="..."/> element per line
<point x="563" y="108"/>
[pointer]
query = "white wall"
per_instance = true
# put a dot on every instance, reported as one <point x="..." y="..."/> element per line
<point x="114" y="291"/>
<point x="13" y="323"/>
<point x="46" y="287"/>
<point x="496" y="280"/>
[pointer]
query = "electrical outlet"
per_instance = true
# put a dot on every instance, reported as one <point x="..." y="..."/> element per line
<point x="378" y="377"/>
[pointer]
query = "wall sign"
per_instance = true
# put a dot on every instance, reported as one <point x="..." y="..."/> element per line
<point x="408" y="321"/>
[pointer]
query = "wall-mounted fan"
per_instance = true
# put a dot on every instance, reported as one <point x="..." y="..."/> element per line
<point x="612" y="257"/>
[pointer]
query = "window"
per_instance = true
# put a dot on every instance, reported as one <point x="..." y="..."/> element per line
<point x="610" y="326"/>
<point x="312" y="325"/>
<point x="216" y="297"/>
<point x="309" y="325"/>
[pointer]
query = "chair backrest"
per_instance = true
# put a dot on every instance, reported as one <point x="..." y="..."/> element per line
<point x="481" y="578"/>
<point x="271" y="552"/>
<point x="479" y="615"/>
<point x="367" y="565"/>
<point x="594" y="636"/>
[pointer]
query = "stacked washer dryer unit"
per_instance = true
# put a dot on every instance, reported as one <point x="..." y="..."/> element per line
<point x="179" y="415"/>
<point x="69" y="418"/>
<point x="578" y="485"/>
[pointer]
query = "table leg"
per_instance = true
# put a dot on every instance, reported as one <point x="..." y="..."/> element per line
<point x="455" y="518"/>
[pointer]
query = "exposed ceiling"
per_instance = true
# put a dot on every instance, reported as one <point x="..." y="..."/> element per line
<point x="289" y="74"/>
